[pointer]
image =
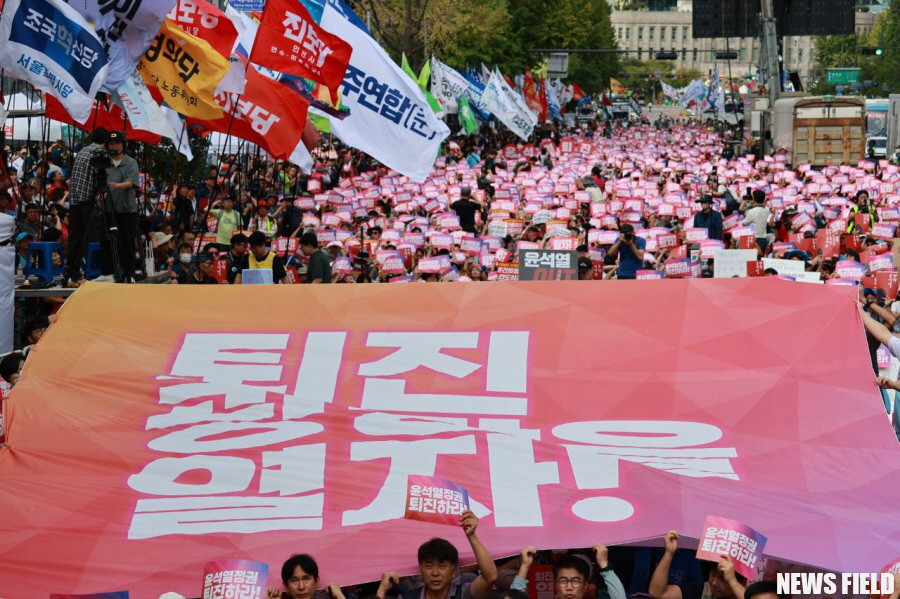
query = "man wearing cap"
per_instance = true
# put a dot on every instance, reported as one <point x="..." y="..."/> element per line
<point x="465" y="208"/>
<point x="709" y="219"/>
<point x="82" y="199"/>
<point x="630" y="250"/>
<point x="23" y="256"/>
<point x="122" y="181"/>
<point x="201" y="274"/>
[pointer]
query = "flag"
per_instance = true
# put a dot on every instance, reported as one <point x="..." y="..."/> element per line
<point x="185" y="70"/>
<point x="668" y="91"/>
<point x="126" y="29"/>
<point x="530" y="92"/>
<point x="266" y="114"/>
<point x="201" y="19"/>
<point x="542" y="99"/>
<point x="424" y="75"/>
<point x="142" y="110"/>
<point x="552" y="101"/>
<point x="181" y="139"/>
<point x="616" y="87"/>
<point x="474" y="92"/>
<point x="447" y="85"/>
<point x="404" y="64"/>
<point x="289" y="41"/>
<point x="508" y="106"/>
<point x="48" y="44"/>
<point x="692" y="93"/>
<point x="389" y="119"/>
<point x="466" y="116"/>
<point x="104" y="113"/>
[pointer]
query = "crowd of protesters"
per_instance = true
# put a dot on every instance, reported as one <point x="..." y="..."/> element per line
<point x="633" y="200"/>
<point x="599" y="572"/>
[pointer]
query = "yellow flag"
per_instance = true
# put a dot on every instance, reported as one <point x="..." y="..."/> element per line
<point x="185" y="70"/>
<point x="616" y="87"/>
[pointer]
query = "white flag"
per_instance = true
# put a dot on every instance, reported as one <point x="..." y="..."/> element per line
<point x="236" y="78"/>
<point x="447" y="85"/>
<point x="395" y="126"/>
<point x="179" y="127"/>
<point x="505" y="104"/>
<point x="142" y="110"/>
<point x="668" y="91"/>
<point x="48" y="44"/>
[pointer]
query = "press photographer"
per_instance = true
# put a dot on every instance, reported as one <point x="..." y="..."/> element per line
<point x="122" y="183"/>
<point x="88" y="179"/>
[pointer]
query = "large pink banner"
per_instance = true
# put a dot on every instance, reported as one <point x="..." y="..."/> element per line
<point x="148" y="436"/>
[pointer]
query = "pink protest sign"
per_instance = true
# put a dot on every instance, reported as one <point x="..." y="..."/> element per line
<point x="111" y="595"/>
<point x="234" y="578"/>
<point x="850" y="269"/>
<point x="722" y="536"/>
<point x="892" y="568"/>
<point x="430" y="499"/>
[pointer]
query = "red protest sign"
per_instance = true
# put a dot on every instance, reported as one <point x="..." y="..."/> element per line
<point x="540" y="582"/>
<point x="887" y="280"/>
<point x="290" y="41"/>
<point x="747" y="243"/>
<point x="430" y="499"/>
<point x="756" y="269"/>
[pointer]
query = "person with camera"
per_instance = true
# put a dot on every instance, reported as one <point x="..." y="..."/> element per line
<point x="630" y="250"/>
<point x="122" y="183"/>
<point x="88" y="176"/>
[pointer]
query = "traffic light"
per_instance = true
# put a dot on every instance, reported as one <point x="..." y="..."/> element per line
<point x="667" y="56"/>
<point x="730" y="55"/>
<point x="871" y="51"/>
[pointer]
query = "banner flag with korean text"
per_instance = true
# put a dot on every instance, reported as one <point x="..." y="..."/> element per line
<point x="389" y="117"/>
<point x="447" y="85"/>
<point x="227" y="433"/>
<point x="268" y="114"/>
<point x="142" y="110"/>
<point x="551" y="93"/>
<point x="504" y="103"/>
<point x="201" y="19"/>
<point x="52" y="47"/>
<point x="185" y="70"/>
<point x="290" y="41"/>
<point x="126" y="28"/>
<point x="530" y="91"/>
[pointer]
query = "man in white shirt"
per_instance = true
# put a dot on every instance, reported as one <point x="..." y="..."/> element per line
<point x="757" y="216"/>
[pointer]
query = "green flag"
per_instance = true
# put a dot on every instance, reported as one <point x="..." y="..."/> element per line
<point x="425" y="75"/>
<point x="404" y="64"/>
<point x="466" y="116"/>
<point x="433" y="102"/>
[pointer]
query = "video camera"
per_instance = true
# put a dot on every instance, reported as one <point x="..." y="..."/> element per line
<point x="100" y="161"/>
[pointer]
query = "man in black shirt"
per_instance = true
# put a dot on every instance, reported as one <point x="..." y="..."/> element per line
<point x="319" y="268"/>
<point x="236" y="256"/>
<point x="708" y="218"/>
<point x="465" y="208"/>
<point x="201" y="274"/>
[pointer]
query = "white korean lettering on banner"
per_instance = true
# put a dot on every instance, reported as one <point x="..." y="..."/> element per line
<point x="311" y="48"/>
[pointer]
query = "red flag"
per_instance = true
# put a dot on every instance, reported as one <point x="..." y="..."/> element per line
<point x="529" y="91"/>
<point x="290" y="41"/>
<point x="542" y="98"/>
<point x="267" y="114"/>
<point x="605" y="101"/>
<point x="577" y="92"/>
<point x="103" y="114"/>
<point x="201" y="19"/>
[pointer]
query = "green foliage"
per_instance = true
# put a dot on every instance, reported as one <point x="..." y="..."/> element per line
<point x="497" y="32"/>
<point x="165" y="163"/>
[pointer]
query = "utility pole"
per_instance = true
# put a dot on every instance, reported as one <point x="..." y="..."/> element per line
<point x="769" y="58"/>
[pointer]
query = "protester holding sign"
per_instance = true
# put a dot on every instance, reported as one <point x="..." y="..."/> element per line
<point x="438" y="565"/>
<point x="723" y="582"/>
<point x="630" y="249"/>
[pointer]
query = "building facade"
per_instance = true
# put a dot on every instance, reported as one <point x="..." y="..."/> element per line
<point x="645" y="32"/>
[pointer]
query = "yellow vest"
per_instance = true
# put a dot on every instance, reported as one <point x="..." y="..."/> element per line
<point x="267" y="262"/>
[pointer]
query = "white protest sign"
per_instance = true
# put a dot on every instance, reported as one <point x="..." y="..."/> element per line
<point x="732" y="263"/>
